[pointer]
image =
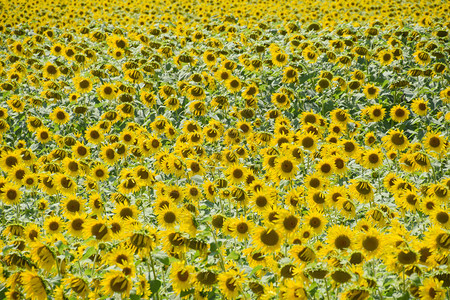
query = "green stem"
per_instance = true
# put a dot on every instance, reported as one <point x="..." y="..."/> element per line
<point x="326" y="287"/>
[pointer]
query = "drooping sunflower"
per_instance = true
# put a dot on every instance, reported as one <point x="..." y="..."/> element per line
<point x="78" y="285"/>
<point x="43" y="256"/>
<point x="33" y="285"/>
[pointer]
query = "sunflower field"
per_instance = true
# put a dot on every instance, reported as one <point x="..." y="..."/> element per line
<point x="224" y="149"/>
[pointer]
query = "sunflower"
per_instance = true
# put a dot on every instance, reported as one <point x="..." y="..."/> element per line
<point x="370" y="242"/>
<point x="371" y="91"/>
<point x="107" y="91"/>
<point x="11" y="194"/>
<point x="308" y="141"/>
<point x="50" y="71"/>
<point x="53" y="225"/>
<point x="109" y="155"/>
<point x="372" y="158"/>
<point x="43" y="256"/>
<point x="233" y="84"/>
<point x="75" y="224"/>
<point x="399" y="113"/>
<point x="268" y="240"/>
<point x="315" y="220"/>
<point x="230" y="283"/>
<point x="128" y="185"/>
<point x="79" y="150"/>
<point x="98" y="229"/>
<point x="82" y="85"/>
<point x="375" y="112"/>
<point x="64" y="184"/>
<point x="18" y="173"/>
<point x="419" y="106"/>
<point x="72" y="205"/>
<point x="94" y="135"/>
<point x="32" y="232"/>
<point x="33" y="285"/>
<point x="385" y="57"/>
<point x="182" y="276"/>
<point x="325" y="167"/>
<point x="396" y="140"/>
<point x="441" y="218"/>
<point x="236" y="174"/>
<point x="281" y="100"/>
<point x="168" y="217"/>
<point x="9" y="159"/>
<point x="432" y="290"/>
<point x="286" y="167"/>
<point x="362" y="190"/>
<point x="434" y="141"/>
<point x="116" y="282"/>
<point x="340" y="237"/>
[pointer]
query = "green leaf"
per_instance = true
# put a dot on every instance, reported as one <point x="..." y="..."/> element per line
<point x="161" y="257"/>
<point x="154" y="286"/>
<point x="233" y="255"/>
<point x="89" y="252"/>
<point x="185" y="293"/>
<point x="256" y="269"/>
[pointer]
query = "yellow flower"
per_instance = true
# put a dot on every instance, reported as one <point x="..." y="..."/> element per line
<point x="59" y="116"/>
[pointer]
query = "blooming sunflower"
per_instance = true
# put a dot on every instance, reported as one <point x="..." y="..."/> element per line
<point x="182" y="276"/>
<point x="340" y="237"/>
<point x="419" y="106"/>
<point x="116" y="282"/>
<point x="11" y="194"/>
<point x="230" y="283"/>
<point x="399" y="113"/>
<point x="267" y="239"/>
<point x="362" y="190"/>
<point x="371" y="91"/>
<point x="82" y="85"/>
